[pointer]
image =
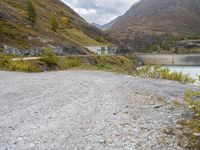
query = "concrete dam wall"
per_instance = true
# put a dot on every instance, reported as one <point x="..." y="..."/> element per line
<point x="170" y="59"/>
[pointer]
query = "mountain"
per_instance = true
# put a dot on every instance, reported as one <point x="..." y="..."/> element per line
<point x="155" y="21"/>
<point x="97" y="25"/>
<point x="71" y="36"/>
<point x="106" y="26"/>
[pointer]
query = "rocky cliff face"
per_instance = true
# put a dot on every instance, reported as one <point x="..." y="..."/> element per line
<point x="154" y="21"/>
<point x="72" y="35"/>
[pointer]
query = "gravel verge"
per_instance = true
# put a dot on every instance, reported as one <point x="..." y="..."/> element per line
<point x="89" y="110"/>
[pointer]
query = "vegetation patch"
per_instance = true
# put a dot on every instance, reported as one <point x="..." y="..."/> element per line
<point x="50" y="61"/>
<point x="6" y="63"/>
<point x="50" y="58"/>
<point x="192" y="99"/>
<point x="159" y="72"/>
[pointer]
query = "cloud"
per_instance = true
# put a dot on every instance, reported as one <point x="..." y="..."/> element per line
<point x="100" y="11"/>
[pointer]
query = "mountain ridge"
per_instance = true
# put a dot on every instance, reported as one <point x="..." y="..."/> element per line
<point x="158" y="20"/>
<point x="107" y="25"/>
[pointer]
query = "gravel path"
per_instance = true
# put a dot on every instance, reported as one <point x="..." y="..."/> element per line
<point x="88" y="110"/>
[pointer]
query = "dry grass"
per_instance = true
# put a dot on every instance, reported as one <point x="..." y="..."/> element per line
<point x="192" y="98"/>
<point x="50" y="61"/>
<point x="159" y="72"/>
<point x="6" y="63"/>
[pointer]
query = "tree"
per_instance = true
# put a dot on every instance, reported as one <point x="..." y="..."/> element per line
<point x="1" y="28"/>
<point x="176" y="50"/>
<point x="31" y="12"/>
<point x="54" y="23"/>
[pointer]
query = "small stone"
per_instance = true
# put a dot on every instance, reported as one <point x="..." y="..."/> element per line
<point x="197" y="134"/>
<point x="158" y="106"/>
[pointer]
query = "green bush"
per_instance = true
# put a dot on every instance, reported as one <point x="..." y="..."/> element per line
<point x="66" y="21"/>
<point x="24" y="66"/>
<point x="54" y="23"/>
<point x="159" y="72"/>
<point x="4" y="61"/>
<point x="166" y="46"/>
<point x="67" y="63"/>
<point x="31" y="12"/>
<point x="49" y="57"/>
<point x="100" y="39"/>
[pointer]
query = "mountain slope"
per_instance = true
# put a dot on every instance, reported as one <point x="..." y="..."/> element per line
<point x="106" y="26"/>
<point x="73" y="32"/>
<point x="151" y="21"/>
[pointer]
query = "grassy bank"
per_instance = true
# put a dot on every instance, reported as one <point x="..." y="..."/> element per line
<point x="159" y="72"/>
<point x="51" y="62"/>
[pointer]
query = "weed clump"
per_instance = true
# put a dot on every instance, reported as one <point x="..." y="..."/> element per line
<point x="159" y="72"/>
<point x="192" y="98"/>
<point x="6" y="63"/>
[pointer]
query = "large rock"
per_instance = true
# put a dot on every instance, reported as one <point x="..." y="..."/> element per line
<point x="22" y="52"/>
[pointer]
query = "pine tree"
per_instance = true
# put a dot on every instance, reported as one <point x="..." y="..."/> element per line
<point x="54" y="23"/>
<point x="1" y="28"/>
<point x="31" y="12"/>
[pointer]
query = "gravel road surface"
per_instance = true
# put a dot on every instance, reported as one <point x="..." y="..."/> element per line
<point x="89" y="110"/>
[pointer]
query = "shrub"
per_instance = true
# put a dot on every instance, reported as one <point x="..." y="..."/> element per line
<point x="99" y="39"/>
<point x="176" y="50"/>
<point x="192" y="98"/>
<point x="4" y="61"/>
<point x="67" y="63"/>
<point x="166" y="46"/>
<point x="49" y="57"/>
<point x="54" y="23"/>
<point x="31" y="12"/>
<point x="66" y="21"/>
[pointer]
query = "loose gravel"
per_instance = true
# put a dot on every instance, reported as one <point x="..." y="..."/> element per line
<point x="89" y="110"/>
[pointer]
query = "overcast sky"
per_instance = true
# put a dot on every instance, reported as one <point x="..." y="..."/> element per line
<point x="100" y="11"/>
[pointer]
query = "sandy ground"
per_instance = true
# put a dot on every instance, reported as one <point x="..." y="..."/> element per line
<point x="88" y="110"/>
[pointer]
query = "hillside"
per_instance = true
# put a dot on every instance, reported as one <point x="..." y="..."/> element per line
<point x="154" y="21"/>
<point x="72" y="34"/>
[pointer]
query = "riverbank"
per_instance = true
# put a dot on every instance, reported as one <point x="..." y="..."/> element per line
<point x="90" y="109"/>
